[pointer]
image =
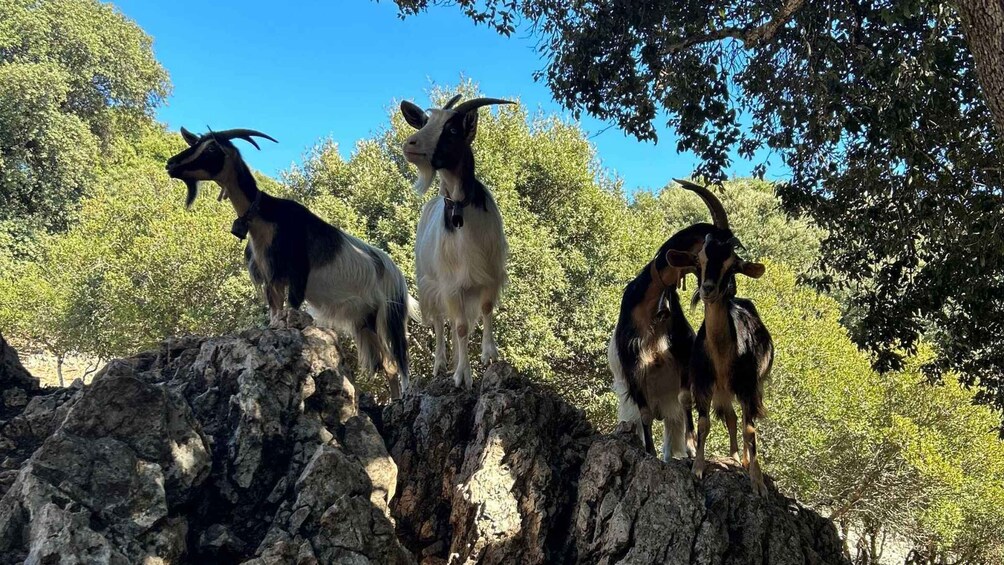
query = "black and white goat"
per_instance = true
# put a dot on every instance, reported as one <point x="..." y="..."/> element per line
<point x="733" y="352"/>
<point x="344" y="281"/>
<point x="650" y="349"/>
<point x="460" y="250"/>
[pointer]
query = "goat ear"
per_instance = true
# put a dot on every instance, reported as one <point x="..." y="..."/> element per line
<point x="681" y="259"/>
<point x="190" y="138"/>
<point x="414" y="115"/>
<point x="471" y="125"/>
<point x="752" y="270"/>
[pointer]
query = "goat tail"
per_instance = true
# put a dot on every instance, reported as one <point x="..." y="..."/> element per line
<point x="397" y="331"/>
<point x="414" y="309"/>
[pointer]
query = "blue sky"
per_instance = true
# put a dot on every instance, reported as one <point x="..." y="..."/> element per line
<point x="334" y="69"/>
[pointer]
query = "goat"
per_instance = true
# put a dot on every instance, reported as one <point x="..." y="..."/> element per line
<point x="650" y="349"/>
<point x="733" y="352"/>
<point x="461" y="249"/>
<point x="344" y="281"/>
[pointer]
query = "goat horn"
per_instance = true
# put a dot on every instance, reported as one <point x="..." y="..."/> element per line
<point x="469" y="105"/>
<point x="245" y="134"/>
<point x="451" y="102"/>
<point x="718" y="215"/>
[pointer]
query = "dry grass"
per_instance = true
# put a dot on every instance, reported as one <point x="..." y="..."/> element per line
<point x="43" y="366"/>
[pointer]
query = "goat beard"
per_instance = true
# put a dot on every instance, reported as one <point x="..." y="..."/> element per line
<point x="193" y="191"/>
<point x="426" y="174"/>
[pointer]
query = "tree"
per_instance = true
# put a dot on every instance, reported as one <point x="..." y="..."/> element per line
<point x="888" y="115"/>
<point x="136" y="267"/>
<point x="73" y="76"/>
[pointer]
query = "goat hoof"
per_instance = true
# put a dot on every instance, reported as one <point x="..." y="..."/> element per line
<point x="756" y="478"/>
<point x="462" y="378"/>
<point x="698" y="469"/>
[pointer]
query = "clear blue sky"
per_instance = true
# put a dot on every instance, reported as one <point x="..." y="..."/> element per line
<point x="335" y="68"/>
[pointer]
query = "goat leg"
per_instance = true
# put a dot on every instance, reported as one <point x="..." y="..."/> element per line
<point x="489" y="350"/>
<point x="439" y="360"/>
<point x="275" y="294"/>
<point x="749" y="439"/>
<point x="703" y="427"/>
<point x="462" y="376"/>
<point x="729" y="415"/>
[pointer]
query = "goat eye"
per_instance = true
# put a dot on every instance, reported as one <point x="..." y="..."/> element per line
<point x="453" y="131"/>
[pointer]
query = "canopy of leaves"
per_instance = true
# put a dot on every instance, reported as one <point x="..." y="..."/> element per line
<point x="887" y="451"/>
<point x="875" y="110"/>
<point x="73" y="74"/>
<point x="134" y="268"/>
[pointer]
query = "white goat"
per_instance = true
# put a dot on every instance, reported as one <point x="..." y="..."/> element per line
<point x="460" y="250"/>
<point x="344" y="281"/>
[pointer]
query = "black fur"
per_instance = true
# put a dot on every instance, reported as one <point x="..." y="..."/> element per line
<point x="377" y="262"/>
<point x="475" y="193"/>
<point x="301" y="240"/>
<point x="397" y="327"/>
<point x="675" y="325"/>
<point x="754" y="347"/>
<point x="370" y="326"/>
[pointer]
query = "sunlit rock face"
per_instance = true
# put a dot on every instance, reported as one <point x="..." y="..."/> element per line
<point x="255" y="448"/>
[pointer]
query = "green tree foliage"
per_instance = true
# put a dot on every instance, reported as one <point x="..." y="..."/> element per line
<point x="73" y="75"/>
<point x="135" y="267"/>
<point x="876" y="110"/>
<point x="886" y="452"/>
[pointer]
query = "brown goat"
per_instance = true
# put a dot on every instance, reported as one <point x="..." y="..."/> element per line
<point x="733" y="352"/>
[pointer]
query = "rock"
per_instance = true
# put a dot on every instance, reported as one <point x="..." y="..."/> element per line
<point x="28" y="414"/>
<point x="12" y="373"/>
<point x="256" y="448"/>
<point x="515" y="475"/>
<point x="223" y="450"/>
<point x="634" y="508"/>
<point x="489" y="479"/>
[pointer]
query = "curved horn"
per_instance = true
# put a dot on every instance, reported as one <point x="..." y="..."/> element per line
<point x="452" y="101"/>
<point x="245" y="134"/>
<point x="718" y="215"/>
<point x="475" y="103"/>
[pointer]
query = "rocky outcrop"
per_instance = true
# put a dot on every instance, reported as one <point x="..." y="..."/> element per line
<point x="515" y="475"/>
<point x="254" y="448"/>
<point x="633" y="508"/>
<point x="28" y="414"/>
<point x="245" y="447"/>
<point x="488" y="478"/>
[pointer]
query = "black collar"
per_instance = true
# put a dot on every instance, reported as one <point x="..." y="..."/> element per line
<point x="454" y="212"/>
<point x="452" y="204"/>
<point x="241" y="225"/>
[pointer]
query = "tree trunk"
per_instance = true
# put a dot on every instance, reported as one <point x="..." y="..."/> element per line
<point x="983" y="26"/>
<point x="59" y="370"/>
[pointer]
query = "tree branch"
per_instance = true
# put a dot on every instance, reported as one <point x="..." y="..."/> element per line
<point x="750" y="36"/>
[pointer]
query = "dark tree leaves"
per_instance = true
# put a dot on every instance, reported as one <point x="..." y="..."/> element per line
<point x="876" y="110"/>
